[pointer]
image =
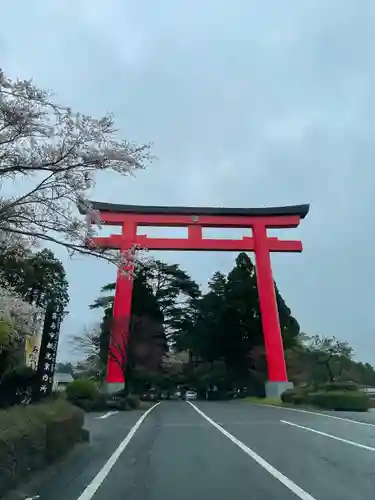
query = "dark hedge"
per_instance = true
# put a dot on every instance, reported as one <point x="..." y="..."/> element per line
<point x="32" y="436"/>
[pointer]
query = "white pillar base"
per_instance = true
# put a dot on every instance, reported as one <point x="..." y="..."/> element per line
<point x="275" y="389"/>
<point x="113" y="387"/>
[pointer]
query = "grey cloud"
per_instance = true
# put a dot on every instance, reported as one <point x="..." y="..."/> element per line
<point x="248" y="103"/>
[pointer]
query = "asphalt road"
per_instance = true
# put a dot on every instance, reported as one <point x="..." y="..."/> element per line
<point x="219" y="451"/>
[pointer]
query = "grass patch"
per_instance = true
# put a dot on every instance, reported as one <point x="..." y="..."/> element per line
<point x="277" y="402"/>
<point x="263" y="401"/>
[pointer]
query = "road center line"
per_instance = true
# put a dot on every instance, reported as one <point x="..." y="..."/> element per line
<point x="347" y="441"/>
<point x="108" y="414"/>
<point x="319" y="414"/>
<point x="299" y="492"/>
<point x="91" y="489"/>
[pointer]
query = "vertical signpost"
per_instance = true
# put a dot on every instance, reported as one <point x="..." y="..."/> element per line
<point x="48" y="350"/>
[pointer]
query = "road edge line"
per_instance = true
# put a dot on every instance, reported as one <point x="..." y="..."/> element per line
<point x="300" y="410"/>
<point x="293" y="487"/>
<point x="94" y="485"/>
<point x="325" y="434"/>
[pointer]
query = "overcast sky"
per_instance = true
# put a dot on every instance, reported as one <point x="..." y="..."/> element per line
<point x="248" y="103"/>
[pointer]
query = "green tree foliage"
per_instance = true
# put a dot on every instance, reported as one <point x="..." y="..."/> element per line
<point x="39" y="274"/>
<point x="5" y="334"/>
<point x="144" y="303"/>
<point x="160" y="294"/>
<point x="81" y="389"/>
<point x="173" y="290"/>
<point x="218" y="335"/>
<point x="30" y="274"/>
<point x="225" y="324"/>
<point x="329" y="351"/>
<point x="212" y="376"/>
<point x="65" y="368"/>
<point x="160" y="291"/>
<point x="326" y="359"/>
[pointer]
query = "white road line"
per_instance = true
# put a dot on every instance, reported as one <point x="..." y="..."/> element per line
<point x="108" y="414"/>
<point x="319" y="414"/>
<point x="347" y="441"/>
<point x="299" y="492"/>
<point x="91" y="489"/>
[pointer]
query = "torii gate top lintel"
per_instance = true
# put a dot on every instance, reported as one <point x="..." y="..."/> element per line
<point x="292" y="210"/>
<point x="131" y="217"/>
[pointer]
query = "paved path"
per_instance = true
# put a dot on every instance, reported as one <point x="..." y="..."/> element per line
<point x="219" y="451"/>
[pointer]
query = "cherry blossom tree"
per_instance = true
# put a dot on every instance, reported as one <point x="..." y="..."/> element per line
<point x="21" y="317"/>
<point x="55" y="154"/>
<point x="18" y="319"/>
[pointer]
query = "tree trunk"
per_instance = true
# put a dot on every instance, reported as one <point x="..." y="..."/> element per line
<point x="330" y="372"/>
<point x="126" y="381"/>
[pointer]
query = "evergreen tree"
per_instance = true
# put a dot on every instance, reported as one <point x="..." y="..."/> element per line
<point x="144" y="304"/>
<point x="227" y="323"/>
<point x="160" y="295"/>
<point x="38" y="276"/>
<point x="161" y="291"/>
<point x="173" y="290"/>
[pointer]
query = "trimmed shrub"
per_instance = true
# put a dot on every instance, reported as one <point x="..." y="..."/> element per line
<point x="63" y="430"/>
<point x="288" y="396"/>
<point x="219" y="395"/>
<point x="338" y="386"/>
<point x="82" y="389"/>
<point x="105" y="403"/>
<point x="340" y="400"/>
<point x="349" y="399"/>
<point x="299" y="398"/>
<point x="33" y="435"/>
<point x="87" y="405"/>
<point x="101" y="402"/>
<point x="87" y="397"/>
<point x="22" y="447"/>
<point x="120" y="404"/>
<point x="122" y="401"/>
<point x="295" y="396"/>
<point x="133" y="402"/>
<point x="98" y="403"/>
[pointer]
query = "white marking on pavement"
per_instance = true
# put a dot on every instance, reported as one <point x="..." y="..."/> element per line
<point x="299" y="492"/>
<point x="108" y="414"/>
<point x="347" y="441"/>
<point x="319" y="414"/>
<point x="91" y="489"/>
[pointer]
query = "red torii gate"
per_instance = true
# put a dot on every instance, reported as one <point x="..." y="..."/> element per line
<point x="130" y="217"/>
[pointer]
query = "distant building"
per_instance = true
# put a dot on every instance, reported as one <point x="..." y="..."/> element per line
<point x="61" y="380"/>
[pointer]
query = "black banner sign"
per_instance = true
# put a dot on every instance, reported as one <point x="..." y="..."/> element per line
<point x="48" y="350"/>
